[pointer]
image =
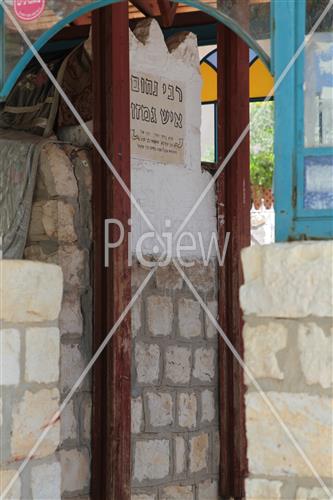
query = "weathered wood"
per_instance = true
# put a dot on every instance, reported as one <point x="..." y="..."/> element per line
<point x="168" y="11"/>
<point x="149" y="8"/>
<point x="99" y="273"/>
<point x="188" y="19"/>
<point x="233" y="189"/>
<point x="72" y="33"/>
<point x="119" y="359"/>
<point x="112" y="285"/>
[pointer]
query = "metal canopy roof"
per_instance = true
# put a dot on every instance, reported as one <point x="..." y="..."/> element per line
<point x="248" y="18"/>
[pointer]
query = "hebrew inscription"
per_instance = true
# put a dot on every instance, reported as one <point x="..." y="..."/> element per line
<point x="157" y="119"/>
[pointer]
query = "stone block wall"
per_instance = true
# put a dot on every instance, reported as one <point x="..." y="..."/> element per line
<point x="175" y="436"/>
<point x="60" y="233"/>
<point x="287" y="300"/>
<point x="29" y="380"/>
<point x="175" y="378"/>
<point x="175" y="445"/>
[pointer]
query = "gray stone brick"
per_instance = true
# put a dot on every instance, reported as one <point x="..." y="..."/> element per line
<point x="207" y="406"/>
<point x="178" y="364"/>
<point x="152" y="459"/>
<point x="204" y="364"/>
<point x="75" y="467"/>
<point x="199" y="452"/>
<point x="168" y="278"/>
<point x="187" y="410"/>
<point x="211" y="331"/>
<point x="160" y="407"/>
<point x="160" y="315"/>
<point x="180" y="454"/>
<point x="189" y="318"/>
<point x="136" y="415"/>
<point x="202" y="277"/>
<point x="136" y="316"/>
<point x="147" y="358"/>
<point x="176" y="492"/>
<point x="208" y="490"/>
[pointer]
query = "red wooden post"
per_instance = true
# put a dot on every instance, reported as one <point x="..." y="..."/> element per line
<point x="112" y="286"/>
<point x="233" y="190"/>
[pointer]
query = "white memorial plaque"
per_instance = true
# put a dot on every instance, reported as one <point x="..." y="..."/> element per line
<point x="157" y="119"/>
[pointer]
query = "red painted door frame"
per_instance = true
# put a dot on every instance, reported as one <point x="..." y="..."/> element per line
<point x="112" y="286"/>
<point x="234" y="204"/>
<point x="111" y="429"/>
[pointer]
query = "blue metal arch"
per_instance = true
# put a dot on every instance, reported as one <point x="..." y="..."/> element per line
<point x="47" y="35"/>
<point x="42" y="40"/>
<point x="233" y="25"/>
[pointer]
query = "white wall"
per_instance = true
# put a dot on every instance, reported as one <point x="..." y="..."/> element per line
<point x="170" y="191"/>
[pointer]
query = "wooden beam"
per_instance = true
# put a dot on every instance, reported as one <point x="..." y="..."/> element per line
<point x="72" y="33"/>
<point x="149" y="8"/>
<point x="184" y="20"/>
<point x="233" y="197"/>
<point x="168" y="11"/>
<point x="196" y="18"/>
<point x="111" y="432"/>
<point x="84" y="20"/>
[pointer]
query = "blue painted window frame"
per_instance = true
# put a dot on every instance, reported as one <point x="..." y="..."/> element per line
<point x="293" y="221"/>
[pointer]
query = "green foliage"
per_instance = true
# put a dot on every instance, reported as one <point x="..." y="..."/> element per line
<point x="261" y="143"/>
<point x="261" y="169"/>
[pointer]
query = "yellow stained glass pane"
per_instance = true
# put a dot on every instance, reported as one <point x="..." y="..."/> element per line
<point x="261" y="81"/>
<point x="209" y="83"/>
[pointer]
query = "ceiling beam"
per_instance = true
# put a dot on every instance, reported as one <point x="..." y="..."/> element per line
<point x="168" y="11"/>
<point x="149" y="8"/>
<point x="184" y="20"/>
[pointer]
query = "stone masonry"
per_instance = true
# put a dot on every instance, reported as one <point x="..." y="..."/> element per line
<point x="287" y="299"/>
<point x="175" y="443"/>
<point x="174" y="373"/>
<point x="175" y="403"/>
<point x="175" y="452"/>
<point x="60" y="233"/>
<point x="29" y="379"/>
